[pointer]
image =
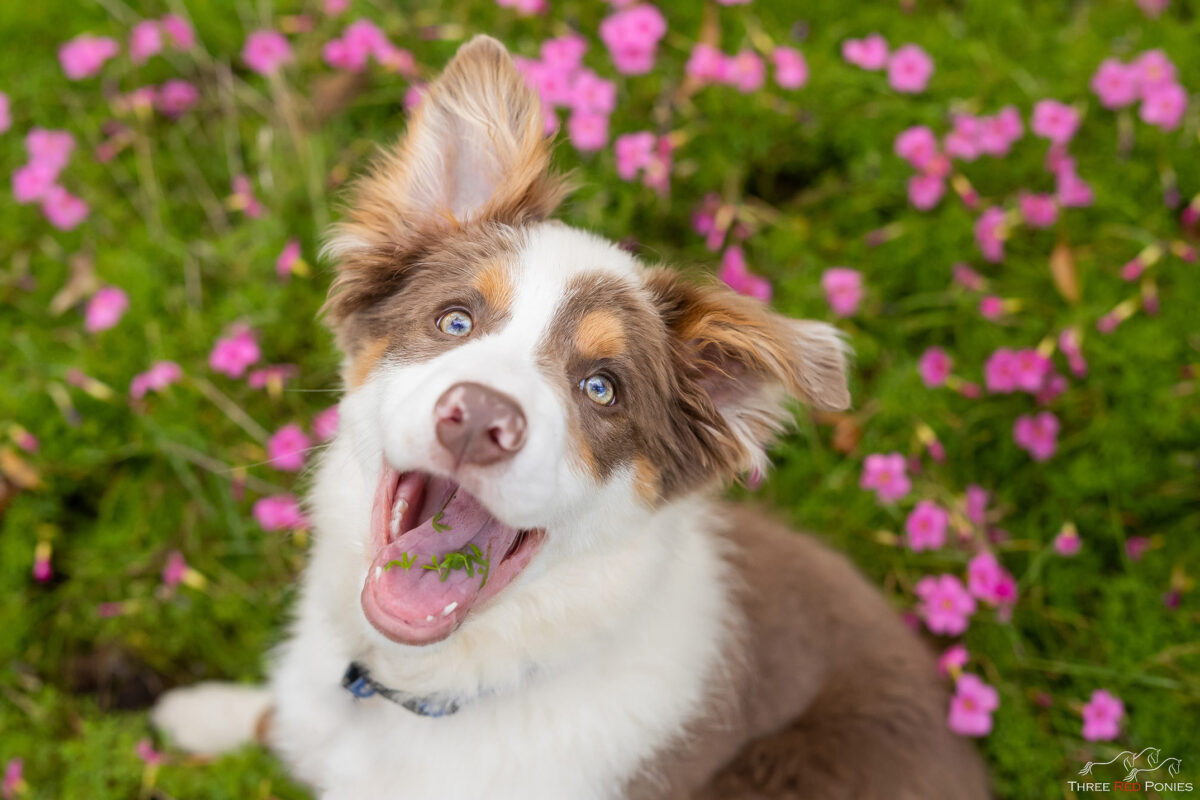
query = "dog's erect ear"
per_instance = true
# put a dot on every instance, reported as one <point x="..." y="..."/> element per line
<point x="475" y="150"/>
<point x="749" y="361"/>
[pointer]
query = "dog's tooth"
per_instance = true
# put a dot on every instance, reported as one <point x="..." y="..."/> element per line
<point x="397" y="512"/>
<point x="429" y="618"/>
<point x="446" y="611"/>
<point x="378" y="572"/>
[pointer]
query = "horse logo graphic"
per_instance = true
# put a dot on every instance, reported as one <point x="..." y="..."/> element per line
<point x="1129" y="761"/>
<point x="1172" y="765"/>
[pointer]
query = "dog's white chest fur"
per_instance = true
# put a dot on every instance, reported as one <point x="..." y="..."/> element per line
<point x="591" y="669"/>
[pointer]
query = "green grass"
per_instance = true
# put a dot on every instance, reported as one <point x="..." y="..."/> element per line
<point x="813" y="169"/>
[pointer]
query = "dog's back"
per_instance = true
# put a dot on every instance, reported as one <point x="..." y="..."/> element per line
<point x="827" y="693"/>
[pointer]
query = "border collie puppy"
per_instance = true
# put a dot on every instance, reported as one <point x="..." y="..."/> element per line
<point x="521" y="584"/>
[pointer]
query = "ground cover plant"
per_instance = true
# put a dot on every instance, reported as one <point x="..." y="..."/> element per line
<point x="997" y="203"/>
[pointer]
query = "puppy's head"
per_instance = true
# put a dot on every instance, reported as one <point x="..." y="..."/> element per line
<point x="510" y="377"/>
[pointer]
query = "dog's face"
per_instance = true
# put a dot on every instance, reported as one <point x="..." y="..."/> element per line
<point x="509" y="376"/>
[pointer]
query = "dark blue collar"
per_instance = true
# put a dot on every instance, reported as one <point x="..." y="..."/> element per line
<point x="359" y="683"/>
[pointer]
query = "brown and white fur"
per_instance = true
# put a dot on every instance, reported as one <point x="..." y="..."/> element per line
<point x="658" y="643"/>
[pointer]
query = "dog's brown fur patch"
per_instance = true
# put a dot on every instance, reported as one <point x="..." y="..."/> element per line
<point x="817" y="698"/>
<point x="600" y="335"/>
<point x="494" y="282"/>
<point x="365" y="359"/>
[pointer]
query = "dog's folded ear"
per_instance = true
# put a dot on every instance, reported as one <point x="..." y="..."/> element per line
<point x="475" y="150"/>
<point x="747" y="362"/>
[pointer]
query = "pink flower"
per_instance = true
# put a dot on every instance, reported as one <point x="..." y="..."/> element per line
<point x="287" y="448"/>
<point x="1038" y="434"/>
<point x="1067" y="543"/>
<point x="990" y="234"/>
<point x="279" y="512"/>
<point x="991" y="307"/>
<point x="934" y="366"/>
<point x="144" y="41"/>
<point x="971" y="706"/>
<point x="1115" y="83"/>
<point x="887" y="474"/>
<point x="160" y="375"/>
<point x="266" y="51"/>
<point x="587" y="131"/>
<point x="925" y="190"/>
<point x="1072" y="191"/>
<point x="49" y="148"/>
<point x="634" y="152"/>
<point x="1039" y="210"/>
<point x="945" y="605"/>
<point x="325" y="424"/>
<point x="146" y="752"/>
<point x="909" y="69"/>
<point x="244" y="199"/>
<point x="998" y="133"/>
<point x="746" y="72"/>
<point x="14" y="778"/>
<point x="1102" y="715"/>
<point x="976" y="503"/>
<point x="5" y="113"/>
<point x="953" y="659"/>
<point x="176" y="96"/>
<point x="791" y="70"/>
<point x="1153" y="8"/>
<point x="593" y="94"/>
<point x="707" y="64"/>
<point x="83" y="56"/>
<point x="631" y="36"/>
<point x="1030" y="369"/>
<point x="869" y="53"/>
<point x="179" y="31"/>
<point x="564" y="52"/>
<point x="32" y="182"/>
<point x="737" y="275"/>
<point x="273" y="376"/>
<point x="925" y="527"/>
<point x="989" y="581"/>
<point x="843" y="290"/>
<point x="1164" y="106"/>
<point x="338" y="54"/>
<point x="917" y="145"/>
<point x="1153" y="69"/>
<point x="288" y="257"/>
<point x="967" y="278"/>
<point x="1055" y="121"/>
<point x="1136" y="547"/>
<point x="524" y="7"/>
<point x="234" y="353"/>
<point x="175" y="569"/>
<point x="1068" y="342"/>
<point x="1000" y="371"/>
<point x="105" y="309"/>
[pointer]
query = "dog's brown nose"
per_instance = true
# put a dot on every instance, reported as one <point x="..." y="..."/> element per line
<point x="478" y="425"/>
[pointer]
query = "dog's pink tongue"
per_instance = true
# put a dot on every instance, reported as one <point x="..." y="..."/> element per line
<point x="425" y="582"/>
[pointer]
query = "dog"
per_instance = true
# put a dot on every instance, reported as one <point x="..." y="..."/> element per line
<point x="521" y="585"/>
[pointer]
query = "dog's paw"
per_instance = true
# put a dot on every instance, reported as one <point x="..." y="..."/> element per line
<point x="211" y="718"/>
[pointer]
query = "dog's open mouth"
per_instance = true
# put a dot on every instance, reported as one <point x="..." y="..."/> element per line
<point x="438" y="554"/>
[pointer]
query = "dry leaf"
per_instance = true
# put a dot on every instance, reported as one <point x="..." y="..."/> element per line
<point x="1062" y="269"/>
<point x="16" y="470"/>
<point x="79" y="285"/>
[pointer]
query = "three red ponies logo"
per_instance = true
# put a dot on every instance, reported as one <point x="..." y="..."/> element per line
<point x="1145" y="771"/>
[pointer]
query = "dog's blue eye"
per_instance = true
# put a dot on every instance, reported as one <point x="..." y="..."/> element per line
<point x="599" y="389"/>
<point x="455" y="322"/>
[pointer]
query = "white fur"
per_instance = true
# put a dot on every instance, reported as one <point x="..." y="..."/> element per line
<point x="210" y="718"/>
